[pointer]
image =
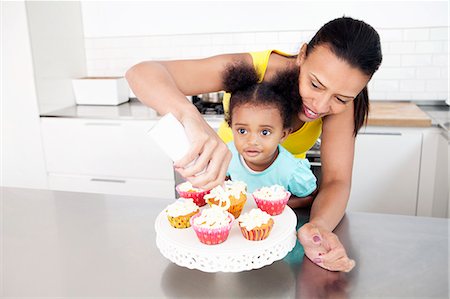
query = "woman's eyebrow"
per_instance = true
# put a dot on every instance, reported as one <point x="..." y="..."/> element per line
<point x="315" y="77"/>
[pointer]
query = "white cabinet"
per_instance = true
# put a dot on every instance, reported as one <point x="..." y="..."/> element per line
<point x="386" y="171"/>
<point x="105" y="156"/>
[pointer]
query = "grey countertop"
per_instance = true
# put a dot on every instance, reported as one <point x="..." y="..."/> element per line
<point x="64" y="244"/>
<point x="135" y="110"/>
<point x="131" y="110"/>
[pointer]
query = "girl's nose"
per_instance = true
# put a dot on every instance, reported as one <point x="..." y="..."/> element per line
<point x="254" y="138"/>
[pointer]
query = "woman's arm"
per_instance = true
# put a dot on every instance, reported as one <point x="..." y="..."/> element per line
<point x="337" y="151"/>
<point x="163" y="85"/>
<point x="321" y="245"/>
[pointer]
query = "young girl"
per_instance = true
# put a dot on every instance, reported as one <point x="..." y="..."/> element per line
<point x="260" y="118"/>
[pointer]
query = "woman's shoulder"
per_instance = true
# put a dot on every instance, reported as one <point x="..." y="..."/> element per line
<point x="278" y="61"/>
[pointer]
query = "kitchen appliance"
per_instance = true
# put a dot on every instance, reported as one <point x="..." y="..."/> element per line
<point x="100" y="90"/>
<point x="209" y="103"/>
<point x="313" y="156"/>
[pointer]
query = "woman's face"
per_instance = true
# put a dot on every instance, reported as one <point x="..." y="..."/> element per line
<point x="328" y="85"/>
<point x="257" y="131"/>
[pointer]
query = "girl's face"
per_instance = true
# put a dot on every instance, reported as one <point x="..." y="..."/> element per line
<point x="328" y="85"/>
<point x="257" y="131"/>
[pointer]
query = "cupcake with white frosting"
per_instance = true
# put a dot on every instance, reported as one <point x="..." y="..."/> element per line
<point x="235" y="191"/>
<point x="180" y="212"/>
<point x="212" y="225"/>
<point x="255" y="225"/>
<point x="186" y="190"/>
<point x="271" y="199"/>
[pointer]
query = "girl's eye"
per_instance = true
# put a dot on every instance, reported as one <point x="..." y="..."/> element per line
<point x="265" y="132"/>
<point x="242" y="131"/>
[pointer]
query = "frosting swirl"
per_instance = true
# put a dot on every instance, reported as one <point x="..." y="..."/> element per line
<point x="187" y="187"/>
<point x="183" y="206"/>
<point x="213" y="217"/>
<point x="254" y="218"/>
<point x="274" y="192"/>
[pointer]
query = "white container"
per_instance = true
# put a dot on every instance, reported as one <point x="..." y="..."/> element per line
<point x="100" y="90"/>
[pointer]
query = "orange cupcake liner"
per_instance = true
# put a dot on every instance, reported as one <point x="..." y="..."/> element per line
<point x="258" y="233"/>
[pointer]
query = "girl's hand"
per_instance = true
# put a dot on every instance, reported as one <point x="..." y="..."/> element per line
<point x="212" y="154"/>
<point x="323" y="248"/>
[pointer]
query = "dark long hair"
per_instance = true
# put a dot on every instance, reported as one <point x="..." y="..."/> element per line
<point x="241" y="79"/>
<point x="359" y="45"/>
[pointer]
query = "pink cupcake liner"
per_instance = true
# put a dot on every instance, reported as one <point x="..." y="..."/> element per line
<point x="272" y="207"/>
<point x="197" y="197"/>
<point x="212" y="236"/>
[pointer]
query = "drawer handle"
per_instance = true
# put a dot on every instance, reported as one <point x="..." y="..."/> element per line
<point x="103" y="124"/>
<point x="315" y="164"/>
<point x="108" y="181"/>
<point x="375" y="133"/>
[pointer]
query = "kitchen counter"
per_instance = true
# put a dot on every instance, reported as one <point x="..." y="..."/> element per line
<point x="131" y="110"/>
<point x="63" y="244"/>
<point x="382" y="113"/>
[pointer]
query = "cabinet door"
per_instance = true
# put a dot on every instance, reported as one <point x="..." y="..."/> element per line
<point x="103" y="148"/>
<point x="122" y="186"/>
<point x="386" y="172"/>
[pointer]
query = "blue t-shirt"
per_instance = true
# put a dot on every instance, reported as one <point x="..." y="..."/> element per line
<point x="292" y="173"/>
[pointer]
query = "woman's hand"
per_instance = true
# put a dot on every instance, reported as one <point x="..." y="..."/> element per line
<point x="323" y="248"/>
<point x="212" y="154"/>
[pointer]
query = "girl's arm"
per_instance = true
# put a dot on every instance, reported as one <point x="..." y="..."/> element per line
<point x="321" y="245"/>
<point x="163" y="85"/>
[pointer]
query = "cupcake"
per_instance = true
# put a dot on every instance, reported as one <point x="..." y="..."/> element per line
<point x="212" y="225"/>
<point x="271" y="199"/>
<point x="235" y="191"/>
<point x="180" y="212"/>
<point x="186" y="190"/>
<point x="255" y="225"/>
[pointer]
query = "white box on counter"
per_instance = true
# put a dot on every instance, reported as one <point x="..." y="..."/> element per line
<point x="100" y="90"/>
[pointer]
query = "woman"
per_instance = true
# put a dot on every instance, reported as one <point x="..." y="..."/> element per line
<point x="334" y="70"/>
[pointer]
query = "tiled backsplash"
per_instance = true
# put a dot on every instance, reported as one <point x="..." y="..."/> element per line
<point x="415" y="61"/>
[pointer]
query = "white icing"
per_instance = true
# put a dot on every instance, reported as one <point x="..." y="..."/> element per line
<point x="254" y="218"/>
<point x="274" y="192"/>
<point x="213" y="217"/>
<point x="183" y="206"/>
<point x="187" y="187"/>
<point x="223" y="194"/>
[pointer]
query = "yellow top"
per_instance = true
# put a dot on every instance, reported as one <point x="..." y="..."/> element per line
<point x="298" y="142"/>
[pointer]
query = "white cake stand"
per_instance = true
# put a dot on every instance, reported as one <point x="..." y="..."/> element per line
<point x="182" y="247"/>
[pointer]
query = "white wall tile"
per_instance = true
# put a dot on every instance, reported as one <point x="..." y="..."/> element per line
<point x="416" y="34"/>
<point x="440" y="60"/>
<point x="290" y="37"/>
<point x="387" y="35"/>
<point x="424" y="96"/>
<point x="386" y="85"/>
<point x="428" y="47"/>
<point x="428" y="73"/>
<point x="398" y="95"/>
<point x="416" y="59"/>
<point x="390" y="60"/>
<point x="222" y="39"/>
<point x="401" y="47"/>
<point x="439" y="33"/>
<point x="266" y="37"/>
<point x="395" y="73"/>
<point x="437" y="85"/>
<point x="412" y="85"/>
<point x="243" y="38"/>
